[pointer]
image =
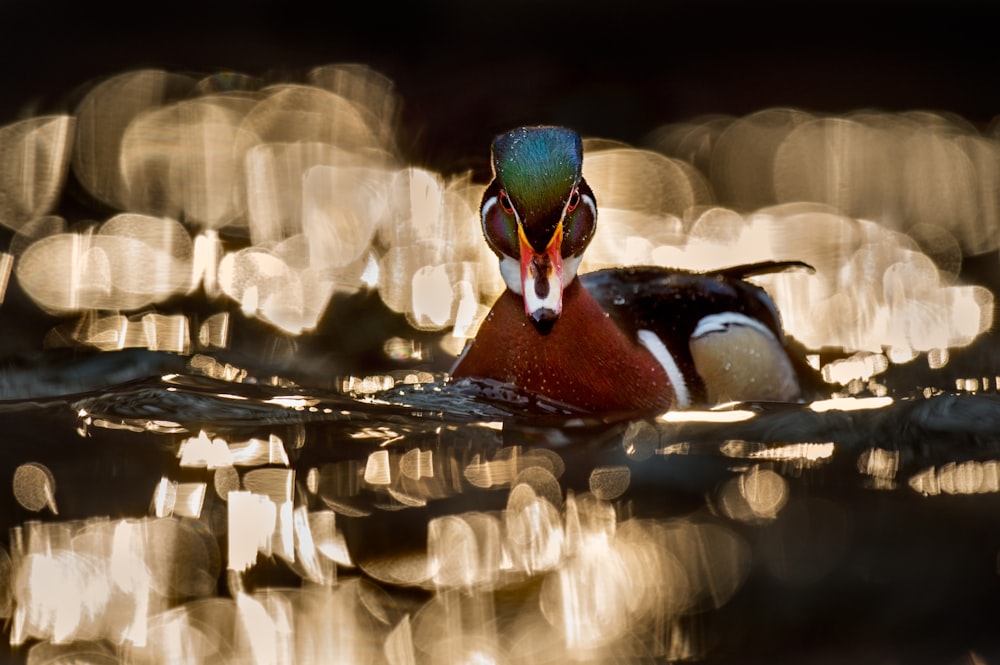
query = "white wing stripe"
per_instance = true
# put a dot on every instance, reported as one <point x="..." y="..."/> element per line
<point x="720" y="322"/>
<point x="655" y="346"/>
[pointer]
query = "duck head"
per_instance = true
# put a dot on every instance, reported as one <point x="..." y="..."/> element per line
<point x="538" y="216"/>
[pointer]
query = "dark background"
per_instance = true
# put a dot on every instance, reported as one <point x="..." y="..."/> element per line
<point x="467" y="70"/>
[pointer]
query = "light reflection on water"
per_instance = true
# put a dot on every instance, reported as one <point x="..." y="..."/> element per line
<point x="298" y="526"/>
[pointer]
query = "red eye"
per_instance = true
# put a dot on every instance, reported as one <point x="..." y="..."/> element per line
<point x="574" y="201"/>
<point x="505" y="203"/>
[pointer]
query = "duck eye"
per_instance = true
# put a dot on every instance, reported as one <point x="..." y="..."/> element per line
<point x="505" y="203"/>
<point x="574" y="200"/>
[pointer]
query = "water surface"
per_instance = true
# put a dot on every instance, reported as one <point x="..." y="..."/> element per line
<point x="263" y="521"/>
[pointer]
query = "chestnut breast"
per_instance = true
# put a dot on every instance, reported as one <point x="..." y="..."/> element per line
<point x="583" y="360"/>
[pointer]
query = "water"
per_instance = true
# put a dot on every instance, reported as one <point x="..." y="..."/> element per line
<point x="431" y="523"/>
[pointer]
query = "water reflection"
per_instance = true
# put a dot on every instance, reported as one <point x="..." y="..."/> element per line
<point x="603" y="577"/>
<point x="418" y="539"/>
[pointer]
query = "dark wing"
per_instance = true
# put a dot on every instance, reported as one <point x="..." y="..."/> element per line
<point x="671" y="302"/>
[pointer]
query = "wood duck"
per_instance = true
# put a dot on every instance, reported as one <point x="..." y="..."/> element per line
<point x="616" y="340"/>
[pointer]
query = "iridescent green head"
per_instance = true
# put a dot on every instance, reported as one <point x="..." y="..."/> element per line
<point x="538" y="214"/>
<point x="538" y="166"/>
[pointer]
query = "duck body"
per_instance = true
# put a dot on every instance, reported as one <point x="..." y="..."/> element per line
<point x="614" y="340"/>
<point x="722" y="333"/>
<point x="584" y="360"/>
<point x="642" y="339"/>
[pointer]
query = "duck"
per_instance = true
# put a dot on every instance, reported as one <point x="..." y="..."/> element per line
<point x="630" y="339"/>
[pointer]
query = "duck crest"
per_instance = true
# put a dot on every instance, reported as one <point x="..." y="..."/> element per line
<point x="539" y="165"/>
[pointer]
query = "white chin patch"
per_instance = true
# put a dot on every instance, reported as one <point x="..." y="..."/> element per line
<point x="552" y="301"/>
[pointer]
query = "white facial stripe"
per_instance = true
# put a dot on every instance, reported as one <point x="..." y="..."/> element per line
<point x="715" y="323"/>
<point x="486" y="210"/>
<point x="490" y="202"/>
<point x="488" y="205"/>
<point x="584" y="198"/>
<point x="566" y="205"/>
<point x="655" y="346"/>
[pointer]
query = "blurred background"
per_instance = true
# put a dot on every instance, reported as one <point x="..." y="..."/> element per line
<point x="670" y="76"/>
<point x="465" y="72"/>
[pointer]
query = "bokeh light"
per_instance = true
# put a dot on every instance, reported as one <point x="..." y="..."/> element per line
<point x="884" y="206"/>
